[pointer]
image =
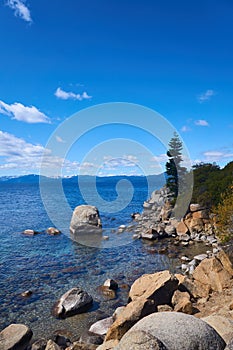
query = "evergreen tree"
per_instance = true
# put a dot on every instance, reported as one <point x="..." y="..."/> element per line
<point x="175" y="172"/>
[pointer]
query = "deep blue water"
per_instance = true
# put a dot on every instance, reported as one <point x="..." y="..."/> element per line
<point x="50" y="265"/>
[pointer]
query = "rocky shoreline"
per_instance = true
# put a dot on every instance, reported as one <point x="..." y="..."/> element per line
<point x="205" y="281"/>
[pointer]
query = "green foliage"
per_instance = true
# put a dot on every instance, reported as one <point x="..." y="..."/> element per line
<point x="224" y="215"/>
<point x="175" y="172"/>
<point x="210" y="182"/>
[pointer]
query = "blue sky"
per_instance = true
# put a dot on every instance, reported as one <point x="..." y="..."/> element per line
<point x="60" y="57"/>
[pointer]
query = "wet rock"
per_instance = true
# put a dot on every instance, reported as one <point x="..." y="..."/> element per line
<point x="53" y="231"/>
<point x="30" y="232"/>
<point x="15" y="336"/>
<point x="101" y="327"/>
<point x="147" y="205"/>
<point x="107" y="292"/>
<point x="135" y="216"/>
<point x="91" y="338"/>
<point x="26" y="294"/>
<point x="105" y="238"/>
<point x="85" y="225"/>
<point x="184" y="259"/>
<point x="150" y="234"/>
<point x="73" y="302"/>
<point x="61" y="340"/>
<point x="111" y="284"/>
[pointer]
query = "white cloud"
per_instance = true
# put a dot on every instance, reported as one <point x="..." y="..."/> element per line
<point x="217" y="156"/>
<point x="162" y="158"/>
<point x="201" y="122"/>
<point x="59" y="139"/>
<point x="185" y="128"/>
<point x="20" y="9"/>
<point x="22" y="157"/>
<point x="64" y="95"/>
<point x="23" y="113"/>
<point x="205" y="96"/>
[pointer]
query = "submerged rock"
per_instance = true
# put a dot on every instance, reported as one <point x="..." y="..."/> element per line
<point x="73" y="302"/>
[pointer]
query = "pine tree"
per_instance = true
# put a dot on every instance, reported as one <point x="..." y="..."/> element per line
<point x="175" y="172"/>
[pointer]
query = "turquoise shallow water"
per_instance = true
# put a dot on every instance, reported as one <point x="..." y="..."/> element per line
<point x="49" y="265"/>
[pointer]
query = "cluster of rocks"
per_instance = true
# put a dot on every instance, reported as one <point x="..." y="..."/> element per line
<point x="160" y="309"/>
<point x="53" y="231"/>
<point x="159" y="314"/>
<point x="157" y="221"/>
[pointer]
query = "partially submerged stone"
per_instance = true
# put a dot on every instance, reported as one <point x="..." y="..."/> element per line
<point x="73" y="302"/>
<point x="85" y="225"/>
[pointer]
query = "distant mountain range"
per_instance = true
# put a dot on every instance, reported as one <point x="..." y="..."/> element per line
<point x="33" y="178"/>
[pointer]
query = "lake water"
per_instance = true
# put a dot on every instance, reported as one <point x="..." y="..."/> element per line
<point x="50" y="265"/>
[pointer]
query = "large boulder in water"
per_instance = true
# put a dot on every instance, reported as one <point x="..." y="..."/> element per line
<point x="75" y="301"/>
<point x="85" y="225"/>
<point x="176" y="331"/>
<point x="15" y="336"/>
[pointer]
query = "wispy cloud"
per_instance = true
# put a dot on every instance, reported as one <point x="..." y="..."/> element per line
<point x="201" y="122"/>
<point x="116" y="163"/>
<point x="23" y="113"/>
<point x="23" y="157"/>
<point x="162" y="158"/>
<point x="69" y="95"/>
<point x="205" y="96"/>
<point x="185" y="128"/>
<point x="59" y="139"/>
<point x="217" y="156"/>
<point x="20" y="9"/>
